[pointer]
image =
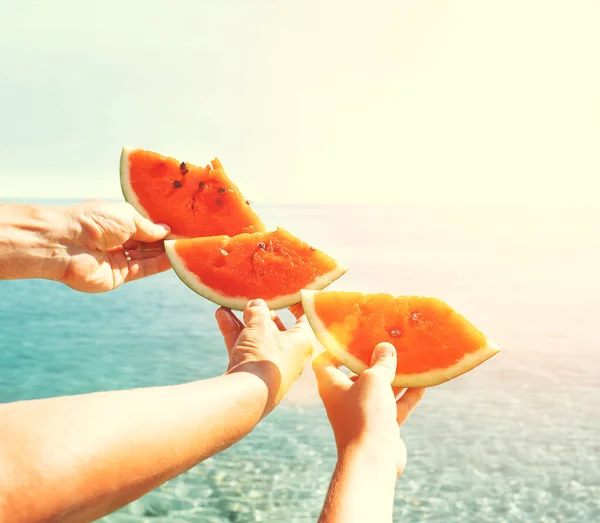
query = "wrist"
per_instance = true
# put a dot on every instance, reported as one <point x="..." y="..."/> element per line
<point x="371" y="455"/>
<point x="33" y="241"/>
<point x="363" y="485"/>
<point x="268" y="374"/>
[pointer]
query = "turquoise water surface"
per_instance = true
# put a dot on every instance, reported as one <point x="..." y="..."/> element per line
<point x="516" y="440"/>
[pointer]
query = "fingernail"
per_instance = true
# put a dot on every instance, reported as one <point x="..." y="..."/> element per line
<point x="383" y="350"/>
<point x="257" y="303"/>
<point x="164" y="226"/>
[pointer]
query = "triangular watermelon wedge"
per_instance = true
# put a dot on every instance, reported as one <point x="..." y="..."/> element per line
<point x="272" y="265"/>
<point x="433" y="342"/>
<point x="193" y="201"/>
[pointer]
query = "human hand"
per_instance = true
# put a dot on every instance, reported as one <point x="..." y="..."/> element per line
<point x="363" y="410"/>
<point x="264" y="346"/>
<point x="110" y="244"/>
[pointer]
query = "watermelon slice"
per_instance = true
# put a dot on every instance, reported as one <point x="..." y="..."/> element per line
<point x="193" y="201"/>
<point x="433" y="342"/>
<point x="273" y="265"/>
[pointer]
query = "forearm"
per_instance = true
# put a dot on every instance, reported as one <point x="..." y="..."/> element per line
<point x="362" y="487"/>
<point x="77" y="458"/>
<point x="32" y="240"/>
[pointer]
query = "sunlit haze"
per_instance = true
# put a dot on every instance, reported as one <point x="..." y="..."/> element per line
<point x="382" y="101"/>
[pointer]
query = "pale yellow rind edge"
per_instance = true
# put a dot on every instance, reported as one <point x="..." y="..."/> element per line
<point x="425" y="379"/>
<point x="239" y="303"/>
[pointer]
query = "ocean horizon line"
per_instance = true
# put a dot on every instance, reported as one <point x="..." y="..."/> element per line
<point x="337" y="204"/>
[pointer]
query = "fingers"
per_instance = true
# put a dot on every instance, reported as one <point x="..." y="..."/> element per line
<point x="256" y="313"/>
<point x="142" y="246"/>
<point x="136" y="250"/>
<point x="302" y="326"/>
<point x="147" y="231"/>
<point x="277" y="321"/>
<point x="383" y="362"/>
<point x="134" y="254"/>
<point x="328" y="374"/>
<point x="141" y="268"/>
<point x="229" y="326"/>
<point x="407" y="403"/>
<point x="297" y="310"/>
<point x="398" y="391"/>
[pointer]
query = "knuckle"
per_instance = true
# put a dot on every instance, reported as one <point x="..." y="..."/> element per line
<point x="370" y="374"/>
<point x="375" y="374"/>
<point x="257" y="329"/>
<point x="254" y="334"/>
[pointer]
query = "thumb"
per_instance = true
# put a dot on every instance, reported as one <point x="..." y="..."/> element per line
<point x="383" y="361"/>
<point x="147" y="231"/>
<point x="256" y="313"/>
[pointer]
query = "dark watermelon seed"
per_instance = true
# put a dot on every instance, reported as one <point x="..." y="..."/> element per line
<point x="219" y="201"/>
<point x="262" y="246"/>
<point x="221" y="190"/>
<point x="200" y="186"/>
<point x="177" y="184"/>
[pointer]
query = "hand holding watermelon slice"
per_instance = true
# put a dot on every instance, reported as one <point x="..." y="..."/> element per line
<point x="363" y="409"/>
<point x="365" y="415"/>
<point x="263" y="346"/>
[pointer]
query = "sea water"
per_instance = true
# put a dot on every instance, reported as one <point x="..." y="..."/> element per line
<point x="518" y="439"/>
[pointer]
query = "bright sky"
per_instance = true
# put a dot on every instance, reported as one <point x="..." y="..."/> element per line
<point x="307" y="101"/>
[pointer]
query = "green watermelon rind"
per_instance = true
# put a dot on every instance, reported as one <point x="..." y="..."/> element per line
<point x="425" y="379"/>
<point x="126" y="187"/>
<point x="239" y="302"/>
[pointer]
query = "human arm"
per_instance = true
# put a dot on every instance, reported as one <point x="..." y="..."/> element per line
<point x="77" y="458"/>
<point x="365" y="416"/>
<point x="91" y="247"/>
<point x="74" y="459"/>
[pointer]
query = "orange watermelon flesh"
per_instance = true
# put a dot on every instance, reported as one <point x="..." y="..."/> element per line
<point x="433" y="342"/>
<point x="194" y="201"/>
<point x="273" y="265"/>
